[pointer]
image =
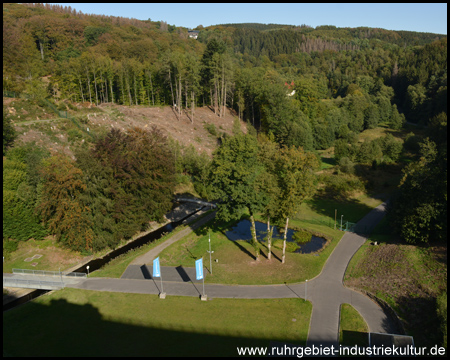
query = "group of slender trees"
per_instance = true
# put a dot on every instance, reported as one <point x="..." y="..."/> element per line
<point x="253" y="176"/>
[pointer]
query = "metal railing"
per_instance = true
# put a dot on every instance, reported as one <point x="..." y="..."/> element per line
<point x="34" y="284"/>
<point x="48" y="273"/>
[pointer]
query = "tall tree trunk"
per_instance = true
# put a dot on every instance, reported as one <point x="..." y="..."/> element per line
<point x="135" y="90"/>
<point x="127" y="83"/>
<point x="211" y="97"/>
<point x="171" y="88"/>
<point x="95" y="83"/>
<point x="224" y="99"/>
<point x="89" y="85"/>
<point x="122" y="93"/>
<point x="106" y="89"/>
<point x="102" y="94"/>
<point x="254" y="239"/>
<point x="112" y="94"/>
<point x="284" y="241"/>
<point x="192" y="105"/>
<point x="41" y="46"/>
<point x="81" y="88"/>
<point x="151" y="87"/>
<point x="222" y="103"/>
<point x="186" y="94"/>
<point x="269" y="239"/>
<point x="216" y="100"/>
<point x="179" y="95"/>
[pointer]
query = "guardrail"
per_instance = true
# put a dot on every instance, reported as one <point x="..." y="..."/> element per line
<point x="48" y="273"/>
<point x="33" y="284"/>
<point x="204" y="203"/>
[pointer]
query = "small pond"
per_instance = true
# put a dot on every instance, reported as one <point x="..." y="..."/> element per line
<point x="241" y="231"/>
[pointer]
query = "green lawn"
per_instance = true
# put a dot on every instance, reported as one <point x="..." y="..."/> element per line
<point x="236" y="259"/>
<point x="353" y="330"/>
<point x="73" y="322"/>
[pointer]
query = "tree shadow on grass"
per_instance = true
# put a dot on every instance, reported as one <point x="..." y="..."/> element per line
<point x="329" y="161"/>
<point x="351" y="338"/>
<point x="328" y="202"/>
<point x="101" y="336"/>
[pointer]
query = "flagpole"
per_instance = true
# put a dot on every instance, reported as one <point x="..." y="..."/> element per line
<point x="203" y="280"/>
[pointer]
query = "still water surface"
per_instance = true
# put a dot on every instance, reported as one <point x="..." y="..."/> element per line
<point x="241" y="231"/>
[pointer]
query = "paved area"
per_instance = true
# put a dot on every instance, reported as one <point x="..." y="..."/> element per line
<point x="326" y="291"/>
<point x="148" y="257"/>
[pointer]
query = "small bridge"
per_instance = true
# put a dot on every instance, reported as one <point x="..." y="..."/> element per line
<point x="201" y="202"/>
<point x="40" y="279"/>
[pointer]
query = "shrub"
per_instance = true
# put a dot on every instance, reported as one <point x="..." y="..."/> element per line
<point x="302" y="237"/>
<point x="346" y="165"/>
<point x="61" y="106"/>
<point x="211" y="128"/>
<point x="74" y="134"/>
<point x="412" y="143"/>
<point x="342" y="184"/>
<point x="290" y="246"/>
<point x="9" y="246"/>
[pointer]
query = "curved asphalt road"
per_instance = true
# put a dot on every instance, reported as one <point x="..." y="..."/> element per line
<point x="326" y="291"/>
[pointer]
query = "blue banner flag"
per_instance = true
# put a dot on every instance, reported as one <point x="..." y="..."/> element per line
<point x="199" y="268"/>
<point x="156" y="270"/>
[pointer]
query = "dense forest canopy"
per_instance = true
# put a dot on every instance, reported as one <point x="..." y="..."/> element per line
<point x="305" y="87"/>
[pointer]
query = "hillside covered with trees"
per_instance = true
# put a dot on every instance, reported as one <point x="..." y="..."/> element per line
<point x="303" y="87"/>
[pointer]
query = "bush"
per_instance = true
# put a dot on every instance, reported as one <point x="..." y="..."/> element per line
<point x="9" y="246"/>
<point x="341" y="185"/>
<point x="61" y="106"/>
<point x="302" y="237"/>
<point x="290" y="246"/>
<point x="412" y="143"/>
<point x="211" y="128"/>
<point x="74" y="134"/>
<point x="346" y="165"/>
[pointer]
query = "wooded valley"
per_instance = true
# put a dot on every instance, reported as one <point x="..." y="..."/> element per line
<point x="301" y="89"/>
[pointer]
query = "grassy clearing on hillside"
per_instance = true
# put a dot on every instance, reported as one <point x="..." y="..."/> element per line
<point x="73" y="322"/>
<point x="54" y="256"/>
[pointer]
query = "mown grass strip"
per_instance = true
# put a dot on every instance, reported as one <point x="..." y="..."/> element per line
<point x="74" y="322"/>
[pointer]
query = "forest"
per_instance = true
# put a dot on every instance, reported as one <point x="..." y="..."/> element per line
<point x="300" y="90"/>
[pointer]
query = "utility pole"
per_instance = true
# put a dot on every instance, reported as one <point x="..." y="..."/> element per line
<point x="210" y="252"/>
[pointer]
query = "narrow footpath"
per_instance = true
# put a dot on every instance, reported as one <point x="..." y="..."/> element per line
<point x="326" y="291"/>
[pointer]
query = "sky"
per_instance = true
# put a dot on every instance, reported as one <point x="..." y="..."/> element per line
<point x="420" y="17"/>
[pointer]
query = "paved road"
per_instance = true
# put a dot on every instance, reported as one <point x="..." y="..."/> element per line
<point x="326" y="291"/>
<point x="148" y="257"/>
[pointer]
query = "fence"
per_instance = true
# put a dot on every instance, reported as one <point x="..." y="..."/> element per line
<point x="329" y="222"/>
<point x="48" y="273"/>
<point x="346" y="226"/>
<point x="62" y="114"/>
<point x="33" y="284"/>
